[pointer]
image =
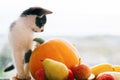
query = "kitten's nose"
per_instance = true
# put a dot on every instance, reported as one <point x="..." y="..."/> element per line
<point x="42" y="30"/>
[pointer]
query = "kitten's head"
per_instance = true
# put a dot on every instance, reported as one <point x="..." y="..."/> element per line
<point x="40" y="19"/>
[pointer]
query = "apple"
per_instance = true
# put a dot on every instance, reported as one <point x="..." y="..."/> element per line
<point x="40" y="74"/>
<point x="81" y="71"/>
<point x="105" y="76"/>
<point x="70" y="75"/>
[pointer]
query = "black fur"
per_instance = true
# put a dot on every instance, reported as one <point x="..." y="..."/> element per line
<point x="12" y="25"/>
<point x="32" y="11"/>
<point x="27" y="56"/>
<point x="40" y="21"/>
<point x="35" y="11"/>
<point x="11" y="67"/>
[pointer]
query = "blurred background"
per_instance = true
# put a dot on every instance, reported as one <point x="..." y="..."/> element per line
<point x="91" y="25"/>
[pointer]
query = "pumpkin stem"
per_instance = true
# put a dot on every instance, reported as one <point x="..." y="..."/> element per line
<point x="39" y="40"/>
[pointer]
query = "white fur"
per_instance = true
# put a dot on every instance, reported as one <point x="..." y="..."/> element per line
<point x="21" y="39"/>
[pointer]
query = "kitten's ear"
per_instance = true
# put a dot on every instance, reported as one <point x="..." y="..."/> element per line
<point x="45" y="11"/>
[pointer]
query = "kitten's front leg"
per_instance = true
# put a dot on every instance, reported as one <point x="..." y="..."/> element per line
<point x="27" y="72"/>
<point x="27" y="58"/>
<point x="18" y="58"/>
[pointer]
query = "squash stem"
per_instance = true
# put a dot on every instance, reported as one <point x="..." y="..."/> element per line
<point x="39" y="40"/>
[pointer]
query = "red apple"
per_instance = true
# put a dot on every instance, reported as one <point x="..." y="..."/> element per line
<point x="81" y="71"/>
<point x="105" y="76"/>
<point x="70" y="75"/>
<point x="40" y="74"/>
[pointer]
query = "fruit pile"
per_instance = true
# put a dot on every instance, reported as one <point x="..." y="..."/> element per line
<point x="106" y="71"/>
<point x="58" y="59"/>
<point x="55" y="70"/>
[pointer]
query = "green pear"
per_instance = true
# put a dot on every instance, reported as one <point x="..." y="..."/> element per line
<point x="55" y="70"/>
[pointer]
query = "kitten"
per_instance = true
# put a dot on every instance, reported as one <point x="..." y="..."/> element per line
<point x="21" y="37"/>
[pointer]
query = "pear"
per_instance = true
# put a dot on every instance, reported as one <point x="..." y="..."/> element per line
<point x="55" y="70"/>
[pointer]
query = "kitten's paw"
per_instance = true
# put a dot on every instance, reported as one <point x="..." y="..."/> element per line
<point x="28" y="78"/>
<point x="15" y="78"/>
<point x="20" y="77"/>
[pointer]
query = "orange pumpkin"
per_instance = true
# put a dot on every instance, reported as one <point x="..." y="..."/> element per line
<point x="56" y="49"/>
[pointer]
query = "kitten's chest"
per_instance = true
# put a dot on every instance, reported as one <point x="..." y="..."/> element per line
<point x="27" y="41"/>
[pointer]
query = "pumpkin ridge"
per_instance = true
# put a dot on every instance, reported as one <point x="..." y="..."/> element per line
<point x="65" y="45"/>
<point x="59" y="52"/>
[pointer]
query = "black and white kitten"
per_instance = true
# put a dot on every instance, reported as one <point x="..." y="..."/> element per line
<point x="21" y="37"/>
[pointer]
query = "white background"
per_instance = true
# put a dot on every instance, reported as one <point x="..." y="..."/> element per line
<point x="70" y="17"/>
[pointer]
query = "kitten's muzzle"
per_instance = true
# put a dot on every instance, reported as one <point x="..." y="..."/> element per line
<point x="38" y="31"/>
